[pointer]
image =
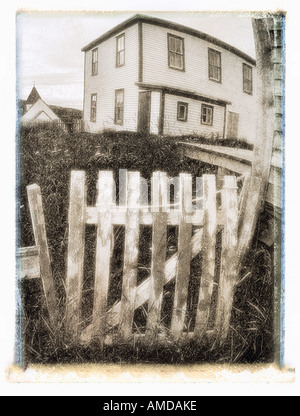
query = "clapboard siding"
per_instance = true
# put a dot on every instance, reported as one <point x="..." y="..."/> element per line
<point x="195" y="77"/>
<point x="193" y="125"/>
<point x="111" y="78"/>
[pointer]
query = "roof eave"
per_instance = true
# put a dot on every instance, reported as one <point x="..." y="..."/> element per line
<point x="170" y="25"/>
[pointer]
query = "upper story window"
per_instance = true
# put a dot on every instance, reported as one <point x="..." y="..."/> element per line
<point x="247" y="79"/>
<point x="175" y="52"/>
<point x="119" y="106"/>
<point x="214" y="65"/>
<point x="93" y="114"/>
<point x="182" y="111"/>
<point x="207" y="113"/>
<point x="95" y="61"/>
<point x="120" y="57"/>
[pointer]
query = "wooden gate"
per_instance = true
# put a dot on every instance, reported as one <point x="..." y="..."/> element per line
<point x="197" y="229"/>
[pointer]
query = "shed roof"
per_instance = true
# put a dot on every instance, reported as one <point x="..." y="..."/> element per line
<point x="169" y="25"/>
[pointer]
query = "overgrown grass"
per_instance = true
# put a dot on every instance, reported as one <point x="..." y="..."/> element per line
<point x="47" y="157"/>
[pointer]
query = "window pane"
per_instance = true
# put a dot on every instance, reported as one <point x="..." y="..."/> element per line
<point x="121" y="43"/>
<point x="207" y="115"/>
<point x="172" y="44"/>
<point x="120" y="97"/>
<point x="172" y="58"/>
<point x="121" y="58"/>
<point x="95" y="55"/>
<point x="178" y="46"/>
<point x="181" y="111"/>
<point x="247" y="79"/>
<point x="178" y="61"/>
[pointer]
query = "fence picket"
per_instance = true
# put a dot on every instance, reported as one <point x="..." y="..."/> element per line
<point x="75" y="261"/>
<point x="131" y="252"/>
<point x="208" y="255"/>
<point x="103" y="253"/>
<point x="228" y="275"/>
<point x="184" y="257"/>
<point x="159" y="247"/>
<point x="39" y="231"/>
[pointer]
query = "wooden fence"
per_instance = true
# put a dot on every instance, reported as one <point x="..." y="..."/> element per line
<point x="197" y="231"/>
<point x="70" y="126"/>
<point x="206" y="222"/>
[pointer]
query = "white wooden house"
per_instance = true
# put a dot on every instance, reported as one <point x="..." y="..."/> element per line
<point x="152" y="75"/>
<point x="36" y="110"/>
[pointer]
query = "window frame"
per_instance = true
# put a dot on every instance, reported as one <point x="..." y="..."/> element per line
<point x="93" y="109"/>
<point x="118" y="52"/>
<point x="119" y="121"/>
<point x="186" y="106"/>
<point x="210" y="107"/>
<point x="250" y="92"/>
<point x="94" y="63"/>
<point x="170" y="35"/>
<point x="210" y="52"/>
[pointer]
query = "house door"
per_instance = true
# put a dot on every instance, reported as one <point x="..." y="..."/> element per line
<point x="144" y="111"/>
<point x="233" y="125"/>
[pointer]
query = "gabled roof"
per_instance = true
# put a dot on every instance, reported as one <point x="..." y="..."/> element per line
<point x="169" y="25"/>
<point x="33" y="96"/>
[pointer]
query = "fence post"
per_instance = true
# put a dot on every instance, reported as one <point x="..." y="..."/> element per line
<point x="159" y="247"/>
<point x="39" y="231"/>
<point x="184" y="256"/>
<point x="229" y="269"/>
<point x="103" y="252"/>
<point x="208" y="255"/>
<point x="75" y="261"/>
<point x="131" y="253"/>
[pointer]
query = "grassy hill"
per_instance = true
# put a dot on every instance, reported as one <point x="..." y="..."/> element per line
<point x="67" y="114"/>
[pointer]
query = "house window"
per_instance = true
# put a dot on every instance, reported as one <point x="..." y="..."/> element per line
<point x="95" y="62"/>
<point x="176" y="52"/>
<point x="120" y="58"/>
<point x="207" y="112"/>
<point x="182" y="111"/>
<point x="119" y="106"/>
<point x="247" y="78"/>
<point x="214" y="65"/>
<point x="93" y="114"/>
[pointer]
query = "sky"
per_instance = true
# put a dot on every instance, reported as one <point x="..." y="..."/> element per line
<point x="49" y="46"/>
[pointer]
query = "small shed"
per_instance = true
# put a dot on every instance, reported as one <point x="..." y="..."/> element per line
<point x="36" y="110"/>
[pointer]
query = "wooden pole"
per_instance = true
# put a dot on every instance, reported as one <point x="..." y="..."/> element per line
<point x="209" y="255"/>
<point x="39" y="231"/>
<point x="131" y="253"/>
<point x="75" y="261"/>
<point x="229" y="266"/>
<point x="103" y="253"/>
<point x="184" y="257"/>
<point x="159" y="247"/>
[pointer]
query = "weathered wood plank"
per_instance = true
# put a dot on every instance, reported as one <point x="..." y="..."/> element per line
<point x="229" y="266"/>
<point x="75" y="261"/>
<point x="103" y="253"/>
<point x="224" y="161"/>
<point x="184" y="257"/>
<point x="39" y="231"/>
<point x="159" y="247"/>
<point x="131" y="252"/>
<point x="208" y="255"/>
<point x="143" y="289"/>
<point x="29" y="262"/>
<point x="146" y="218"/>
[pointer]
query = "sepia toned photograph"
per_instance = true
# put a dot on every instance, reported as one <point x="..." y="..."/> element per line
<point x="150" y="189"/>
